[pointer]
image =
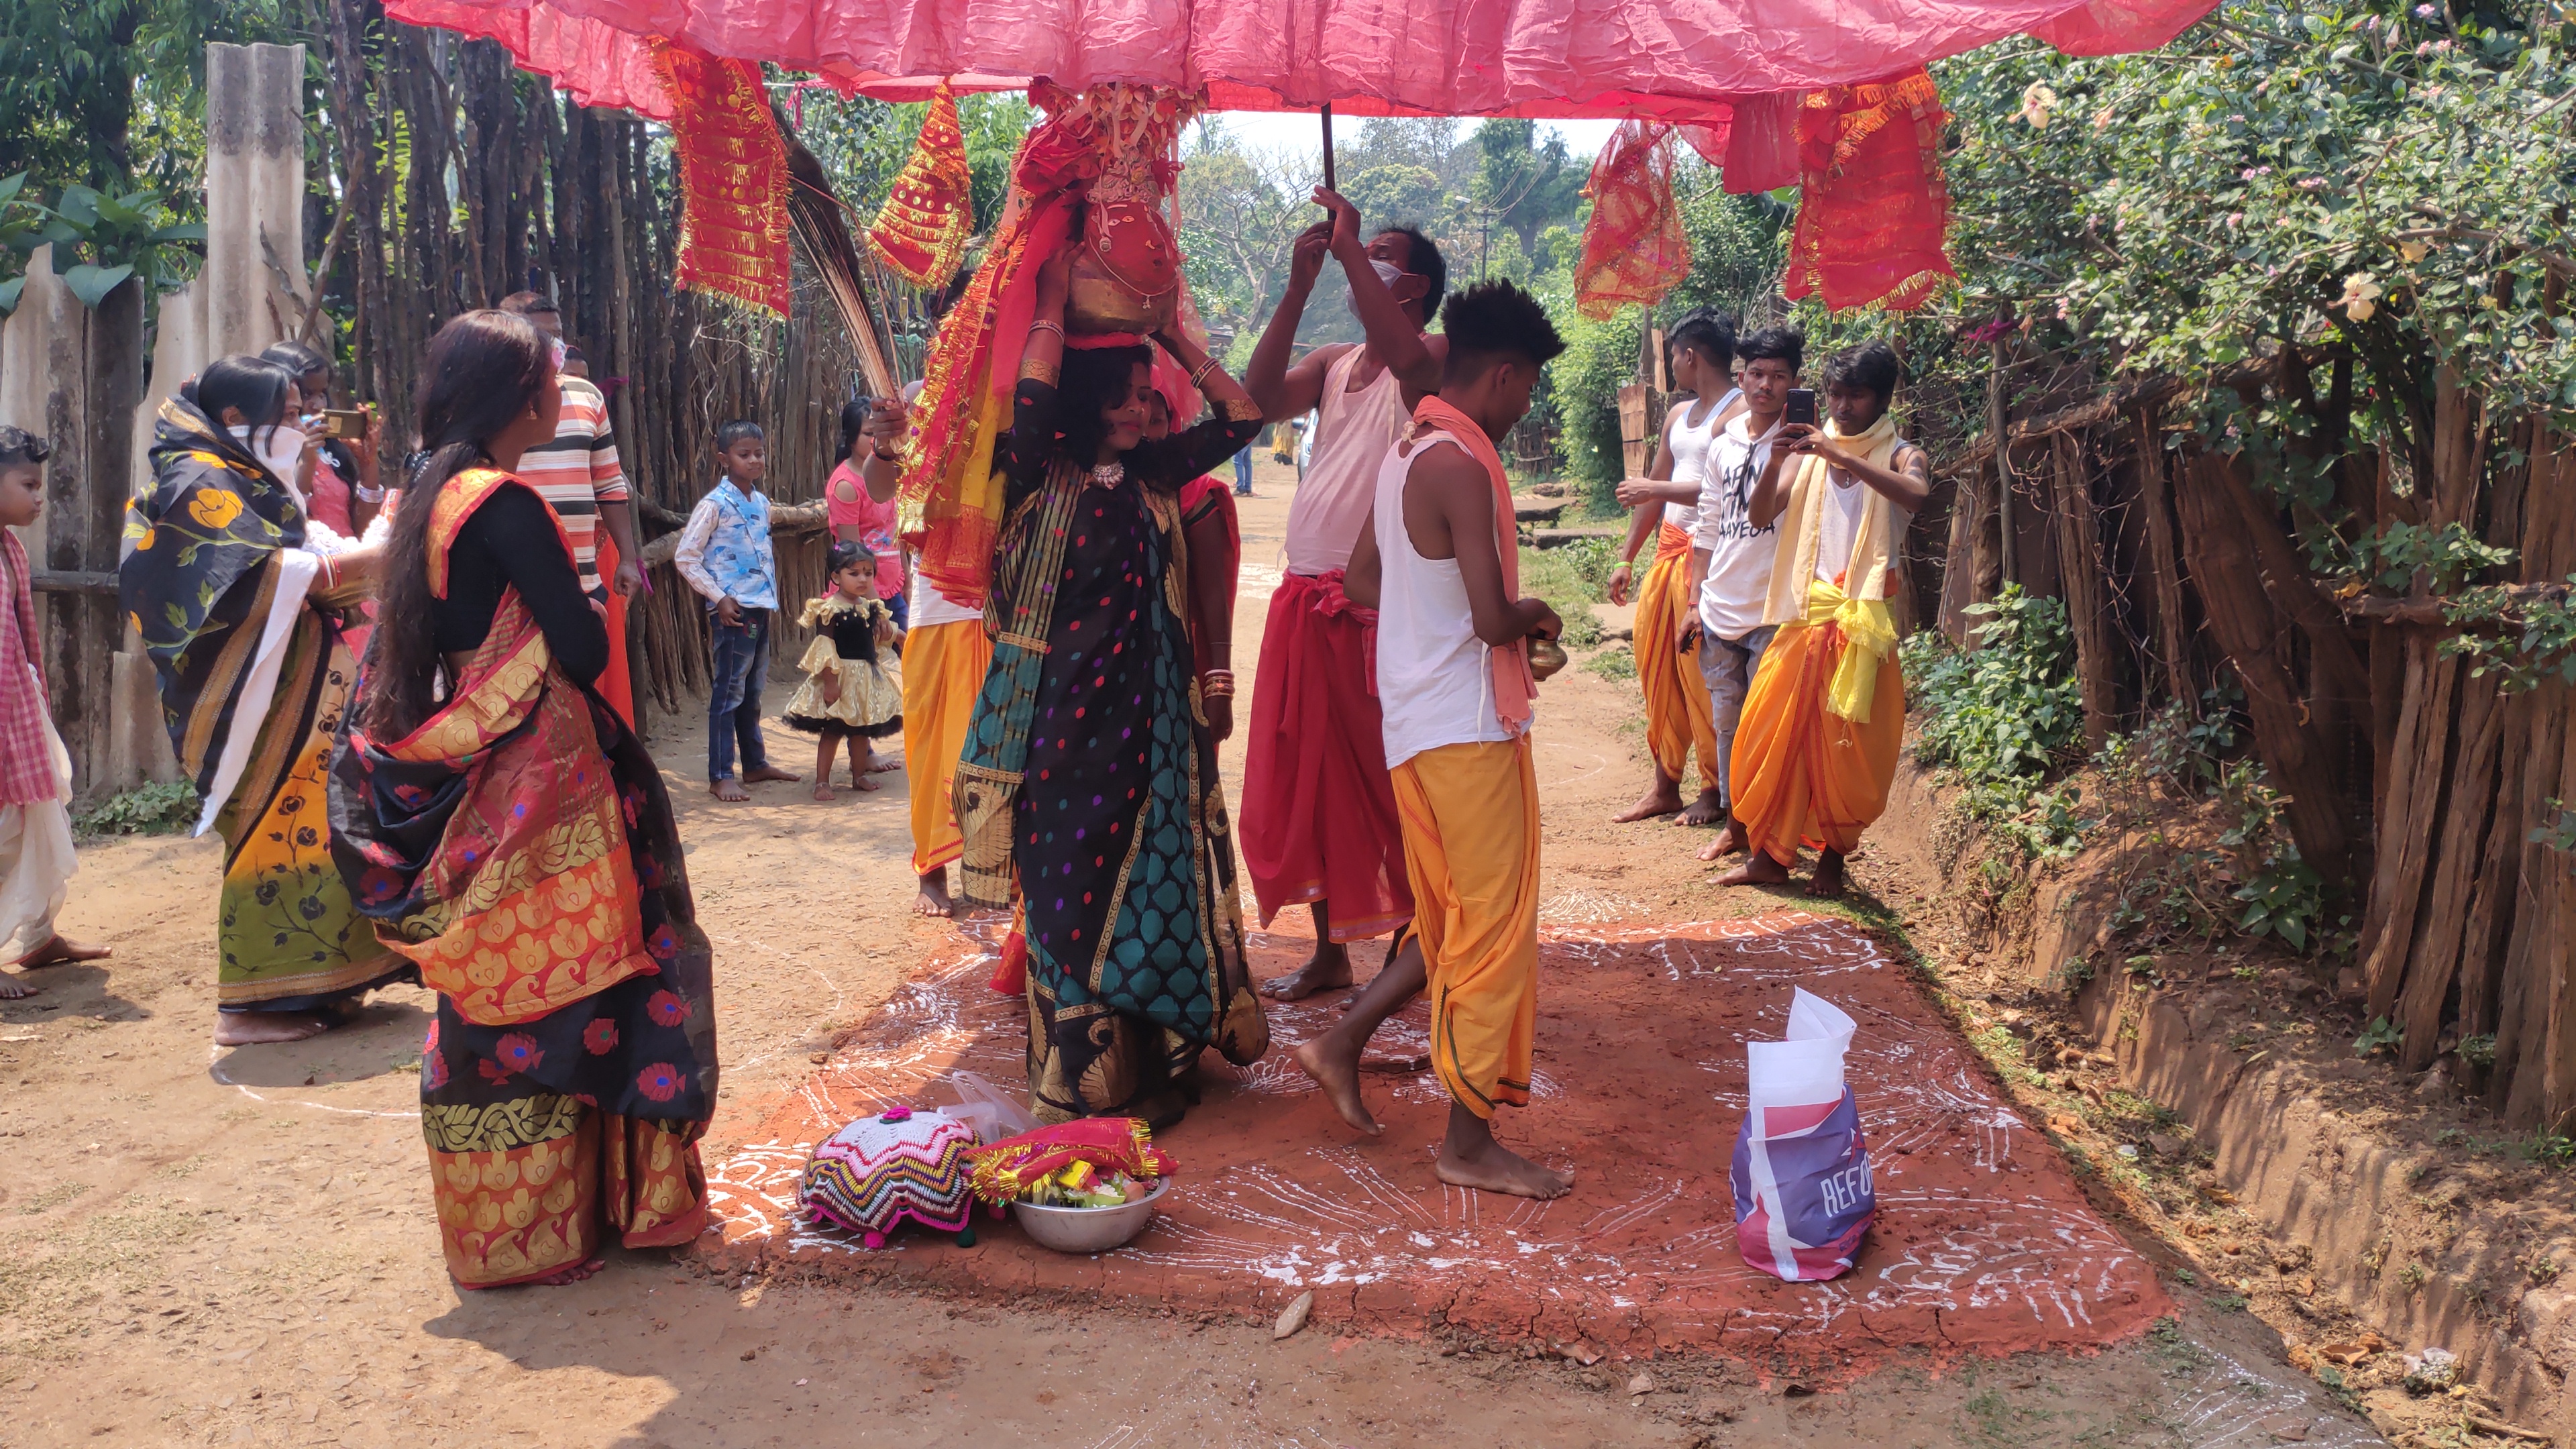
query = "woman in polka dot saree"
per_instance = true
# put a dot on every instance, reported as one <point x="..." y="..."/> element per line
<point x="1089" y="781"/>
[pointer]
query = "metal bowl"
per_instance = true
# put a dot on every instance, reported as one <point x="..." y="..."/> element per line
<point x="1088" y="1230"/>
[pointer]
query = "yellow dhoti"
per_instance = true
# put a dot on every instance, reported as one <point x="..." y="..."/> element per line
<point x="943" y="669"/>
<point x="1679" y="718"/>
<point x="1470" y="815"/>
<point x="1804" y="774"/>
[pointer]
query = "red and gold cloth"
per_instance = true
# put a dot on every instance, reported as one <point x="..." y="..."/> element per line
<point x="1634" y="248"/>
<point x="1006" y="1169"/>
<point x="733" y="181"/>
<point x="929" y="213"/>
<point x="1873" y="211"/>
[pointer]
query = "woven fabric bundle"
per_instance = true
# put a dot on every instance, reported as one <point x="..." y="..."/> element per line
<point x="871" y="1175"/>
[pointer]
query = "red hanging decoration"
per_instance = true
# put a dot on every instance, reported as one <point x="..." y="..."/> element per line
<point x="922" y="229"/>
<point x="733" y="181"/>
<point x="1634" y="248"/>
<point x="1873" y="212"/>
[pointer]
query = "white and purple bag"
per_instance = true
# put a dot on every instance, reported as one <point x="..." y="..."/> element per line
<point x="1801" y="1172"/>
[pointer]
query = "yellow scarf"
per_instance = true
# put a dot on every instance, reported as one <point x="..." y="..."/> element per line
<point x="1859" y="605"/>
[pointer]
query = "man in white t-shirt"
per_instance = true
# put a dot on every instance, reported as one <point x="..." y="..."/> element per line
<point x="1731" y="555"/>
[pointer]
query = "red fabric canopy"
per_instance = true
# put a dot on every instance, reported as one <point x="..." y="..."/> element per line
<point x="1674" y="59"/>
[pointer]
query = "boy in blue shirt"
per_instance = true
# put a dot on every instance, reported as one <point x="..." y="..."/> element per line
<point x="725" y="555"/>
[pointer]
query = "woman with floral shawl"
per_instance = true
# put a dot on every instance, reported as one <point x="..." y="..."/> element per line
<point x="507" y="833"/>
<point x="1089" y="779"/>
<point x="242" y="615"/>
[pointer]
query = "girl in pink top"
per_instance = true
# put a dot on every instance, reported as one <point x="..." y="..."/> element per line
<point x="857" y="518"/>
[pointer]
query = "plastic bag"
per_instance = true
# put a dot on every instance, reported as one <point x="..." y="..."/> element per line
<point x="993" y="1113"/>
<point x="1803" y="1196"/>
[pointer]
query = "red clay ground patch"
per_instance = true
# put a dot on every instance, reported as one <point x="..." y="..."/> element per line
<point x="1983" y="1242"/>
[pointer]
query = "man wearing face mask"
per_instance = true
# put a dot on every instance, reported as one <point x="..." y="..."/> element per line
<point x="1319" y="817"/>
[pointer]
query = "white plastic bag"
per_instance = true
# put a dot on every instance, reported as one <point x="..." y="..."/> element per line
<point x="993" y="1113"/>
<point x="1803" y="1196"/>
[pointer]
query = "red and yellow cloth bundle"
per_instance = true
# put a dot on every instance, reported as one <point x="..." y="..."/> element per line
<point x="1011" y="1166"/>
<point x="1634" y="248"/>
<point x="1873" y="211"/>
<point x="929" y="212"/>
<point x="733" y="180"/>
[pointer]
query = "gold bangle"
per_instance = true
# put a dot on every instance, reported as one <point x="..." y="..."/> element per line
<point x="1044" y="325"/>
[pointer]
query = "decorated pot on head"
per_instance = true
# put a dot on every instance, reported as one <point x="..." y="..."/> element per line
<point x="1126" y="271"/>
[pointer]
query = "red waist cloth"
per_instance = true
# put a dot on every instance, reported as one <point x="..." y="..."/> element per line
<point x="1319" y="820"/>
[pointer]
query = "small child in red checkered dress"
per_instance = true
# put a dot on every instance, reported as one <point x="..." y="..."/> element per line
<point x="36" y="861"/>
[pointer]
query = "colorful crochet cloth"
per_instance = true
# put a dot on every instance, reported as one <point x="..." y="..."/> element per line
<point x="871" y="1175"/>
<point x="1006" y="1169"/>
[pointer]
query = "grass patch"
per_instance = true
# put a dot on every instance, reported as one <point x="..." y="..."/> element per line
<point x="156" y="809"/>
<point x="1617" y="662"/>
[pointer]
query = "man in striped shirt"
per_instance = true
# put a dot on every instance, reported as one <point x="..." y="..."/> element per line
<point x="578" y="472"/>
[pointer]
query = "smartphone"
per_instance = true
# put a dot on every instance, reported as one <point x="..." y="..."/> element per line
<point x="343" y="423"/>
<point x="1802" y="406"/>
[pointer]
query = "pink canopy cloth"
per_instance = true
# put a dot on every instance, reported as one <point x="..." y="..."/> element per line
<point x="1679" y="60"/>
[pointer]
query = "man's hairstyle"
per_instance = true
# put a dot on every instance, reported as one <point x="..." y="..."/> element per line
<point x="1786" y="344"/>
<point x="1872" y="366"/>
<point x="17" y="446"/>
<point x="1422" y="258"/>
<point x="737" y="430"/>
<point x="1492" y="320"/>
<point x="1712" y="333"/>
<point x="575" y="354"/>
<point x="528" y="304"/>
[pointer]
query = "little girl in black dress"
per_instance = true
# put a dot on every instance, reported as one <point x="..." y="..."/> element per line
<point x="847" y="693"/>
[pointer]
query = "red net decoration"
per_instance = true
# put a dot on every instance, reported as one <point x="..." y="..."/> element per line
<point x="733" y="181"/>
<point x="921" y="230"/>
<point x="1634" y="249"/>
<point x="1872" y="210"/>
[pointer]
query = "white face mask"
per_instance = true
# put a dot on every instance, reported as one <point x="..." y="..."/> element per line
<point x="279" y="450"/>
<point x="1388" y="274"/>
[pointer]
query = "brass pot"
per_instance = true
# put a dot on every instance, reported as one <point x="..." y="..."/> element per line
<point x="1125" y="275"/>
<point x="1546" y="656"/>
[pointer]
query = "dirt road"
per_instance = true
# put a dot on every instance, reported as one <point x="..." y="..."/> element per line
<point x="220" y="1248"/>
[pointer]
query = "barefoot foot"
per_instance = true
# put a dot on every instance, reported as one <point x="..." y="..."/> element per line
<point x="1703" y="811"/>
<point x="1496" y="1168"/>
<point x="62" y="950"/>
<point x="1758" y="869"/>
<point x="770" y="772"/>
<point x="1328" y="969"/>
<point x="15" y="989"/>
<point x="1661" y="798"/>
<point x="564" y="1277"/>
<point x="823" y="792"/>
<point x="933" y="900"/>
<point x="1828" y="883"/>
<point x="254" y="1028"/>
<point x="1732" y="842"/>
<point x="884" y="765"/>
<point x="1335" y="1068"/>
<point x="728" y="790"/>
<point x="865" y="782"/>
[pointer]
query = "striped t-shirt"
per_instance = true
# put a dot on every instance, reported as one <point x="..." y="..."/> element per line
<point x="577" y="472"/>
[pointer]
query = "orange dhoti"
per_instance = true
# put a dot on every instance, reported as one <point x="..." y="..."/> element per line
<point x="943" y="671"/>
<point x="1803" y="774"/>
<point x="1470" y="814"/>
<point x="1679" y="718"/>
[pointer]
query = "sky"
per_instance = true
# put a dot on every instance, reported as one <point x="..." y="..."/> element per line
<point x="1303" y="131"/>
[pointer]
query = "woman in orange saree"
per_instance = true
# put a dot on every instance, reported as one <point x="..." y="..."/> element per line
<point x="508" y="834"/>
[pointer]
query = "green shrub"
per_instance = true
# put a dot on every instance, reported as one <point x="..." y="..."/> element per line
<point x="2009" y="708"/>
<point x="1613" y="664"/>
<point x="155" y="809"/>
